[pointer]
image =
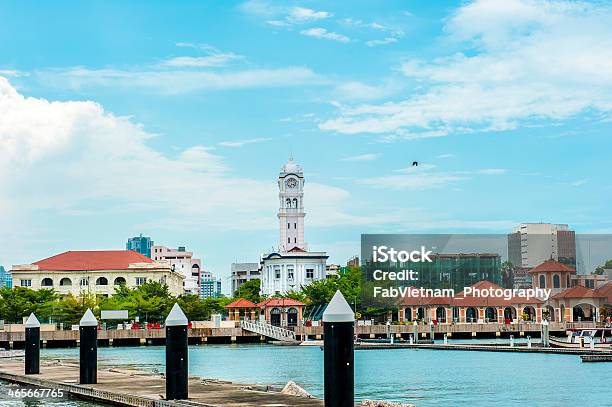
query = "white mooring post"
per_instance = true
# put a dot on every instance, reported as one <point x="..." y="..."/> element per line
<point x="512" y="341"/>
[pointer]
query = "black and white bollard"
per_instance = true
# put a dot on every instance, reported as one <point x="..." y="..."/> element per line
<point x="338" y="353"/>
<point x="32" y="345"/>
<point x="88" y="349"/>
<point x="176" y="355"/>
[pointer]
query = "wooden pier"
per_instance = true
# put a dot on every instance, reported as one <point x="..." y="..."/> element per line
<point x="130" y="337"/>
<point x="140" y="389"/>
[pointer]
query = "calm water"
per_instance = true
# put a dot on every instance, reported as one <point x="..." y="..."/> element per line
<point x="423" y="377"/>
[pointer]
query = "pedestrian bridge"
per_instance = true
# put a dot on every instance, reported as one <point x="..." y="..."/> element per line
<point x="268" y="330"/>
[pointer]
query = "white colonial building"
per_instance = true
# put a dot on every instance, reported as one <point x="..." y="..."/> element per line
<point x="292" y="266"/>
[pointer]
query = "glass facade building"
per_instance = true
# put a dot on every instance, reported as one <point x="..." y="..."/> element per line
<point x="140" y="244"/>
<point x="6" y="278"/>
<point x="454" y="271"/>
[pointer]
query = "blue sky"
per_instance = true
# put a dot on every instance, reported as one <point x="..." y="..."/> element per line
<point x="173" y="119"/>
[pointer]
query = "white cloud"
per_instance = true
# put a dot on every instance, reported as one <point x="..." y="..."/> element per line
<point x="517" y="61"/>
<point x="384" y="41"/>
<point x="354" y="90"/>
<point x="242" y="143"/>
<point x="319" y="32"/>
<point x="301" y="15"/>
<point x="446" y="155"/>
<point x="213" y="58"/>
<point x="178" y="81"/>
<point x="66" y="162"/>
<point x="362" y="157"/>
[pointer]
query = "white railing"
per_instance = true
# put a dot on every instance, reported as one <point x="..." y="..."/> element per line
<point x="271" y="331"/>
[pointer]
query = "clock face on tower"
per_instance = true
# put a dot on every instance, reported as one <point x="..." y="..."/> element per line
<point x="291" y="183"/>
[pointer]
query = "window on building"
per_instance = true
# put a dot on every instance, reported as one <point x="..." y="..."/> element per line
<point x="288" y="240"/>
<point x="288" y="225"/>
<point x="556" y="281"/>
<point x="568" y="281"/>
<point x="542" y="281"/>
<point x="141" y="280"/>
<point x="65" y="282"/>
<point x="295" y="240"/>
<point x="26" y="283"/>
<point x="84" y="281"/>
<point x="309" y="273"/>
<point x="46" y="282"/>
<point x="290" y="274"/>
<point x="102" y="281"/>
<point x="277" y="273"/>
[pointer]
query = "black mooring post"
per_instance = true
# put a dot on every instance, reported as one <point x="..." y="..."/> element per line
<point x="88" y="352"/>
<point x="177" y="364"/>
<point x="32" y="345"/>
<point x="338" y="353"/>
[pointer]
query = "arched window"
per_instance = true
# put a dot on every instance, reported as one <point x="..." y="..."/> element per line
<point x="568" y="281"/>
<point x="65" y="282"/>
<point x="491" y="314"/>
<point x="471" y="315"/>
<point x="102" y="281"/>
<point x="556" y="281"/>
<point x="292" y="317"/>
<point x="46" y="282"/>
<point x="441" y="314"/>
<point x="288" y="203"/>
<point x="295" y="203"/>
<point x="542" y="281"/>
<point x="119" y="281"/>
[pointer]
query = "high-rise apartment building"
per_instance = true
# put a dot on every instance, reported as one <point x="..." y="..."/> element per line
<point x="530" y="244"/>
<point x="140" y="244"/>
<point x="182" y="262"/>
<point x="243" y="272"/>
<point x="210" y="287"/>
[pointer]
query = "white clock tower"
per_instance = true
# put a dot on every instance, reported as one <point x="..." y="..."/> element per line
<point x="291" y="210"/>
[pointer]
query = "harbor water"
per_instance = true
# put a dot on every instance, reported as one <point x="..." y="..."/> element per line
<point x="426" y="378"/>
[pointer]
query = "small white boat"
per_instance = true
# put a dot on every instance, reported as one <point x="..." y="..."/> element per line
<point x="600" y="338"/>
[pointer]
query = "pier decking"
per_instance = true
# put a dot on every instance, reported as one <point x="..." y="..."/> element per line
<point x="140" y="389"/>
<point x="63" y="338"/>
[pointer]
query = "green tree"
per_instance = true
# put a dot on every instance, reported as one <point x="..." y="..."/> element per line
<point x="249" y="291"/>
<point x="70" y="309"/>
<point x="194" y="307"/>
<point x="19" y="302"/>
<point x="600" y="270"/>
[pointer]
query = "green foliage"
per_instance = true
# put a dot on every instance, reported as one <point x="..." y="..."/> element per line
<point x="18" y="302"/>
<point x="70" y="309"/>
<point x="600" y="270"/>
<point x="249" y="291"/>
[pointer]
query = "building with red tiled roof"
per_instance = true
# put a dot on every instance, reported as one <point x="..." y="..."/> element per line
<point x="242" y="308"/>
<point x="282" y="311"/>
<point x="470" y="308"/>
<point x="95" y="271"/>
<point x="553" y="275"/>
